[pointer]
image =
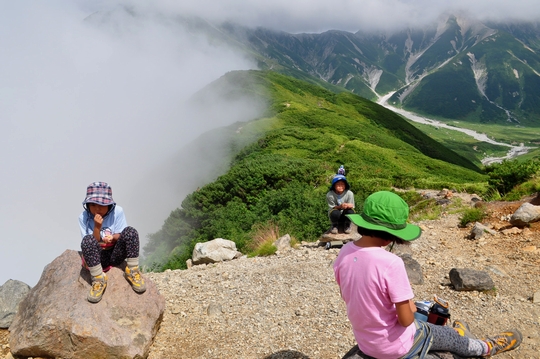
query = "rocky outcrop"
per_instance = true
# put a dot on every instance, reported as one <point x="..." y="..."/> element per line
<point x="470" y="279"/>
<point x="216" y="250"/>
<point x="11" y="293"/>
<point x="356" y="353"/>
<point x="479" y="229"/>
<point x="527" y="213"/>
<point x="283" y="243"/>
<point x="341" y="236"/>
<point x="55" y="319"/>
<point x="413" y="268"/>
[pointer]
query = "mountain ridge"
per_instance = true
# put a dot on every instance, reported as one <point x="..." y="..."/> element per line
<point x="421" y="65"/>
<point x="436" y="63"/>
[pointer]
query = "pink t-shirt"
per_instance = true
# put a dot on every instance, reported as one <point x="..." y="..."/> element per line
<point x="371" y="281"/>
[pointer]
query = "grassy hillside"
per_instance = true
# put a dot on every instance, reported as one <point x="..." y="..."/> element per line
<point x="278" y="181"/>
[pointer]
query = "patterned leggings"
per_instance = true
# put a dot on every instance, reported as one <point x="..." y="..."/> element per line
<point x="447" y="339"/>
<point x="127" y="246"/>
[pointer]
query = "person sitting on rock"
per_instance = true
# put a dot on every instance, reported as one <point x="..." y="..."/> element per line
<point x="340" y="200"/>
<point x="107" y="240"/>
<point x="375" y="287"/>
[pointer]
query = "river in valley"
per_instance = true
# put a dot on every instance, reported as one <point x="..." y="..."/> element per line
<point x="513" y="151"/>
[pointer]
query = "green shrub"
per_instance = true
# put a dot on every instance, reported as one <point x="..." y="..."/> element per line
<point x="265" y="249"/>
<point x="427" y="209"/>
<point x="263" y="237"/>
<point x="523" y="189"/>
<point x="471" y="215"/>
<point x="506" y="175"/>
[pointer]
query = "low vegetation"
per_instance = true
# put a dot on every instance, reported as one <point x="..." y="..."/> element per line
<point x="471" y="215"/>
<point x="505" y="176"/>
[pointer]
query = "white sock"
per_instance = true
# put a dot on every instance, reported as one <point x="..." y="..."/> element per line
<point x="96" y="270"/>
<point x="132" y="262"/>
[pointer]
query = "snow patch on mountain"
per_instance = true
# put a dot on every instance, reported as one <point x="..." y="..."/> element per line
<point x="410" y="75"/>
<point x="481" y="76"/>
<point x="410" y="88"/>
<point x="473" y="29"/>
<point x="480" y="73"/>
<point x="355" y="47"/>
<point x="372" y="75"/>
<point x="347" y="79"/>
<point x="524" y="63"/>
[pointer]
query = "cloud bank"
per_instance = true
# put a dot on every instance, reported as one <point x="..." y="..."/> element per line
<point x="348" y="15"/>
<point x="95" y="99"/>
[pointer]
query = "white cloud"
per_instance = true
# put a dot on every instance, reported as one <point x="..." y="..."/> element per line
<point x="348" y="15"/>
<point x="82" y="101"/>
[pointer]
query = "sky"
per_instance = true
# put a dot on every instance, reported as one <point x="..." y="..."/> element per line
<point x="102" y="99"/>
<point x="348" y="15"/>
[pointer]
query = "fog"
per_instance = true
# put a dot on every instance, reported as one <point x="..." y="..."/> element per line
<point x="348" y="15"/>
<point x="100" y="99"/>
<point x="90" y="92"/>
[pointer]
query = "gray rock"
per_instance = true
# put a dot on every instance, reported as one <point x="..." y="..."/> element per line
<point x="464" y="279"/>
<point x="341" y="236"/>
<point x="356" y="353"/>
<point x="443" y="201"/>
<point x="413" y="268"/>
<point x="478" y="231"/>
<point x="216" y="250"/>
<point x="56" y="321"/>
<point x="283" y="243"/>
<point x="525" y="214"/>
<point x="400" y="249"/>
<point x="536" y="199"/>
<point x="214" y="310"/>
<point x="11" y="293"/>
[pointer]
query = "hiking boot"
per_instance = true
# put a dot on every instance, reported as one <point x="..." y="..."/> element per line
<point x="463" y="329"/>
<point x="347" y="230"/>
<point x="99" y="283"/>
<point x="334" y="230"/>
<point x="135" y="278"/>
<point x="503" y="342"/>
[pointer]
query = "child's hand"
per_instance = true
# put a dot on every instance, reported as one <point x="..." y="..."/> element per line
<point x="98" y="220"/>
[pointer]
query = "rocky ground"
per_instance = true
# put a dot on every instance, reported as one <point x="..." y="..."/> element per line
<point x="288" y="305"/>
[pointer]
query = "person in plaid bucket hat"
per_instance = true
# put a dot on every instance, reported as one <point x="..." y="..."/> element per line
<point x="375" y="287"/>
<point x="107" y="240"/>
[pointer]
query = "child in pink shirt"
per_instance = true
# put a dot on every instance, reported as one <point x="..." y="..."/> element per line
<point x="376" y="290"/>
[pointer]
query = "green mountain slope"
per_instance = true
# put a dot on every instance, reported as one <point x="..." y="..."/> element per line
<point x="484" y="84"/>
<point x="281" y="177"/>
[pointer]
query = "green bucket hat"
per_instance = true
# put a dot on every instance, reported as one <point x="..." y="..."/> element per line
<point x="388" y="212"/>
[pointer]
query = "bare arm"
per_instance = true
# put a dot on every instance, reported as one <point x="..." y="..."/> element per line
<point x="98" y="221"/>
<point x="405" y="312"/>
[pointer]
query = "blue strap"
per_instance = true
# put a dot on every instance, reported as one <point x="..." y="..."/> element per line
<point x="423" y="338"/>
